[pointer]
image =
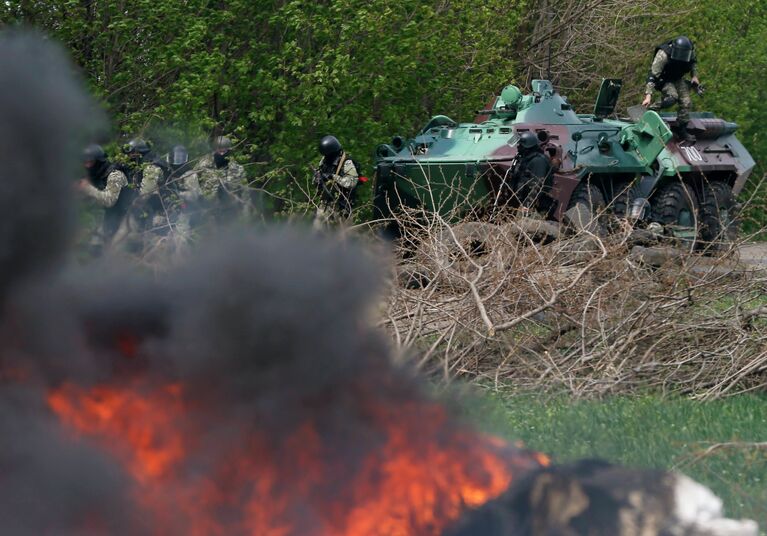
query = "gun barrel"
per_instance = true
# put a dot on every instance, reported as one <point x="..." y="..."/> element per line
<point x="713" y="128"/>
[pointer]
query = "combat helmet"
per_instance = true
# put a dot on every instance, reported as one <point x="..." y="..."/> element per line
<point x="137" y="149"/>
<point x="178" y="156"/>
<point x="222" y="144"/>
<point x="511" y="96"/>
<point x="681" y="49"/>
<point x="94" y="153"/>
<point x="95" y="161"/>
<point x="329" y="146"/>
<point x="137" y="145"/>
<point x="528" y="141"/>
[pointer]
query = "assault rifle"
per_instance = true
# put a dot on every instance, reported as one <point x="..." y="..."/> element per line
<point x="320" y="178"/>
<point x="323" y="181"/>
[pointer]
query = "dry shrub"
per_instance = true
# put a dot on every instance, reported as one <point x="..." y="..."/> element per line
<point x="517" y="302"/>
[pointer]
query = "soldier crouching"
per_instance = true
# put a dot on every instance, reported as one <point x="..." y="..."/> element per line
<point x="672" y="61"/>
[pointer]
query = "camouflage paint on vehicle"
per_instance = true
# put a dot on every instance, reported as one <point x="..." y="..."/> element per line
<point x="453" y="168"/>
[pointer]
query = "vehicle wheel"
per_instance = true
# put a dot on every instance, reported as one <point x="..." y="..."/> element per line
<point x="718" y="218"/>
<point x="620" y="196"/>
<point x="584" y="208"/>
<point x="675" y="204"/>
<point x="588" y="195"/>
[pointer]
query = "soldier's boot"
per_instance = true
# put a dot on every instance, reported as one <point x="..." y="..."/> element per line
<point x="685" y="134"/>
<point x="664" y="103"/>
<point x="667" y="102"/>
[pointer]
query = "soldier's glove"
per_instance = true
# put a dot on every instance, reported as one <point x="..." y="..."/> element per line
<point x="697" y="87"/>
<point x="317" y="178"/>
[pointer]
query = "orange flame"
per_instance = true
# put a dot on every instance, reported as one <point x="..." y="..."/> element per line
<point x="128" y="422"/>
<point x="418" y="480"/>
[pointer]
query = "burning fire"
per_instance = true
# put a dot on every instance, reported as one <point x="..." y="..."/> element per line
<point x="423" y="474"/>
<point x="137" y="428"/>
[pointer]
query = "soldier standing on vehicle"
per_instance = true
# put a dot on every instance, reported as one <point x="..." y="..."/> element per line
<point x="107" y="186"/>
<point x="336" y="178"/>
<point x="217" y="182"/>
<point x="672" y="61"/>
<point x="531" y="174"/>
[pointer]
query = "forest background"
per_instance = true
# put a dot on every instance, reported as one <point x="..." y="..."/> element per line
<point x="277" y="75"/>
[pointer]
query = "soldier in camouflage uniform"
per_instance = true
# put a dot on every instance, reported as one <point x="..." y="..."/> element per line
<point x="217" y="182"/>
<point x="672" y="61"/>
<point x="172" y="189"/>
<point x="335" y="178"/>
<point x="146" y="213"/>
<point x="174" y="196"/>
<point x="106" y="185"/>
<point x="179" y="171"/>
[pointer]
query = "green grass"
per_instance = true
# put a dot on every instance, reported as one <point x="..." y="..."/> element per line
<point x="647" y="431"/>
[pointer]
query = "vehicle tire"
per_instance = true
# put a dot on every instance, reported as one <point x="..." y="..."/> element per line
<point x="675" y="204"/>
<point x="584" y="209"/>
<point x="620" y="195"/>
<point x="718" y="218"/>
<point x="590" y="196"/>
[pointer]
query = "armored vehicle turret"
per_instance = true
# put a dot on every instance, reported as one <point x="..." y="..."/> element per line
<point x="634" y="167"/>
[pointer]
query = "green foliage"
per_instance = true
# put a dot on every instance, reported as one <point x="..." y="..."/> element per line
<point x="731" y="45"/>
<point x="280" y="74"/>
<point x="648" y="431"/>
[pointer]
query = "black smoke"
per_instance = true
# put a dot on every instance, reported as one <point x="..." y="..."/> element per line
<point x="269" y="334"/>
<point x="45" y="114"/>
<point x="50" y="482"/>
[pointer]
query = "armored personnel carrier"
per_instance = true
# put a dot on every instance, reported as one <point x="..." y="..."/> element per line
<point x="634" y="167"/>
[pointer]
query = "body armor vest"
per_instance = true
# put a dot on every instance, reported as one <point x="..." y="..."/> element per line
<point x="674" y="69"/>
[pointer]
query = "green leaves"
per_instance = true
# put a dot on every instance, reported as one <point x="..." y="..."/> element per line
<point x="285" y="71"/>
<point x="282" y="73"/>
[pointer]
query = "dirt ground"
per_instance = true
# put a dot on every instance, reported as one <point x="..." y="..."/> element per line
<point x="753" y="254"/>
